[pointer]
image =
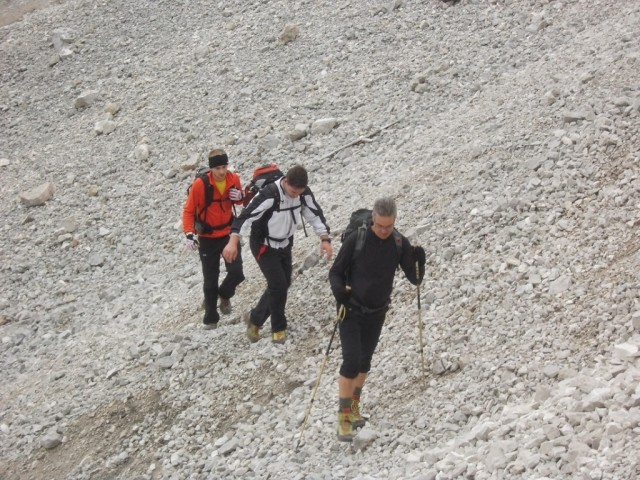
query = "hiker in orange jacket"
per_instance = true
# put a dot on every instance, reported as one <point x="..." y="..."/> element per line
<point x="206" y="221"/>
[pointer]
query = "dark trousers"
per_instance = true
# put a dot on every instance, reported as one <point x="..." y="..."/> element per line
<point x="359" y="335"/>
<point x="276" y="266"/>
<point x="210" y="253"/>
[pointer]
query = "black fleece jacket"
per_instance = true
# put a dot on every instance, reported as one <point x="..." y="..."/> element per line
<point x="371" y="274"/>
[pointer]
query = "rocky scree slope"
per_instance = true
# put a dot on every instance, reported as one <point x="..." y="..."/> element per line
<point x="515" y="162"/>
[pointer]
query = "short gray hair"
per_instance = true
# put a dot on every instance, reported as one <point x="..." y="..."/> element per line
<point x="385" y="207"/>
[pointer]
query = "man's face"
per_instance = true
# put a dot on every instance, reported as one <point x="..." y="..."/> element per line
<point x="292" y="192"/>
<point x="219" y="172"/>
<point x="382" y="226"/>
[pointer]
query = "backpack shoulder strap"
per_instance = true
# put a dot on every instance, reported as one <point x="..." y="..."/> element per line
<point x="361" y="235"/>
<point x="397" y="237"/>
<point x="208" y="190"/>
<point x="270" y="190"/>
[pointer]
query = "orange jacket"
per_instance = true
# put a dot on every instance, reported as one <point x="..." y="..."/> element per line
<point x="220" y="211"/>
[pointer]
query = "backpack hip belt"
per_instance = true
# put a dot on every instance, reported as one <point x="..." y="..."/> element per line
<point x="367" y="310"/>
<point x="203" y="227"/>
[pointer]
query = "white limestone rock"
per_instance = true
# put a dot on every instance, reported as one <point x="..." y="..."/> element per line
<point x="38" y="196"/>
<point x="289" y="33"/>
<point x="87" y="98"/>
<point x="104" y="127"/>
<point x="141" y="152"/>
<point x="323" y="126"/>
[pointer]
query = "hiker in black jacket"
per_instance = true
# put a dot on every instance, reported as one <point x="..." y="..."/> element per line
<point x="363" y="285"/>
<point x="272" y="217"/>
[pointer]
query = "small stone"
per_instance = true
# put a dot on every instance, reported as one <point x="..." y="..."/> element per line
<point x="560" y="285"/>
<point x="166" y="362"/>
<point x="572" y="117"/>
<point x="323" y="126"/>
<point x="92" y="191"/>
<point x="626" y="351"/>
<point x="51" y="440"/>
<point x="86" y="98"/>
<point x="191" y="163"/>
<point x="37" y="196"/>
<point x="96" y="260"/>
<point x="297" y="134"/>
<point x="439" y="367"/>
<point x="141" y="152"/>
<point x="104" y="127"/>
<point x="228" y="447"/>
<point x="364" y="438"/>
<point x="112" y="108"/>
<point x="289" y="33"/>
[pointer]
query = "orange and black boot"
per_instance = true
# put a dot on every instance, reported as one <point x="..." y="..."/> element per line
<point x="345" y="429"/>
<point x="357" y="420"/>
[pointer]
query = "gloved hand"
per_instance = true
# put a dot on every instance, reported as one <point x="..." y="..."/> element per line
<point x="235" y="195"/>
<point x="342" y="295"/>
<point x="191" y="242"/>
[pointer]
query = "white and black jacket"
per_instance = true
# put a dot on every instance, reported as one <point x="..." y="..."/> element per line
<point x="272" y="216"/>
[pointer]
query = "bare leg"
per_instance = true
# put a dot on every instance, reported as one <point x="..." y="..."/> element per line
<point x="346" y="386"/>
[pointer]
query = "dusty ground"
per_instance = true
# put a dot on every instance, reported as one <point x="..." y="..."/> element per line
<point x="13" y="10"/>
<point x="507" y="196"/>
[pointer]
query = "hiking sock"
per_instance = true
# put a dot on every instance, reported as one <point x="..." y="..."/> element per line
<point x="344" y="405"/>
<point x="356" y="394"/>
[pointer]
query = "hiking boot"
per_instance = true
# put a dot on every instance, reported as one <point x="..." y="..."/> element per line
<point x="357" y="420"/>
<point x="210" y="326"/>
<point x="279" y="337"/>
<point x="225" y="306"/>
<point x="253" y="331"/>
<point x="345" y="429"/>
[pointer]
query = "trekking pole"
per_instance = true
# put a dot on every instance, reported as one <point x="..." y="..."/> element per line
<point x="424" y="377"/>
<point x="341" y="313"/>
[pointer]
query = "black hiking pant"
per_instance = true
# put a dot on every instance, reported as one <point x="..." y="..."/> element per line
<point x="276" y="266"/>
<point x="210" y="253"/>
<point x="359" y="335"/>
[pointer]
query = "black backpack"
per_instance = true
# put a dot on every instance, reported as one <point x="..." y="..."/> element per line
<point x="200" y="225"/>
<point x="359" y="223"/>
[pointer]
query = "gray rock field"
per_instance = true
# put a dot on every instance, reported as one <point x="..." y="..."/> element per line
<point x="508" y="132"/>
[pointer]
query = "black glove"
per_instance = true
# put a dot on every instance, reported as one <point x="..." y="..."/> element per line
<point x="342" y="295"/>
<point x="418" y="256"/>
